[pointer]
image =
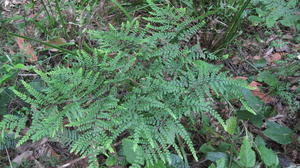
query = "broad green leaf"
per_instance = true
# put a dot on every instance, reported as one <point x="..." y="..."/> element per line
<point x="19" y="66"/>
<point x="205" y="148"/>
<point x="259" y="141"/>
<point x="214" y="156"/>
<point x="177" y="162"/>
<point x="255" y="19"/>
<point x="223" y="147"/>
<point x="131" y="155"/>
<point x="111" y="161"/>
<point x="231" y="125"/>
<point x="278" y="133"/>
<point x="221" y="163"/>
<point x="268" y="156"/>
<point x="257" y="120"/>
<point x="254" y="102"/>
<point x="235" y="165"/>
<point x="247" y="155"/>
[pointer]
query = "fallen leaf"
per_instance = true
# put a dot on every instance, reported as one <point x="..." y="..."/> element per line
<point x="27" y="49"/>
<point x="256" y="92"/>
<point x="52" y="153"/>
<point x="255" y="84"/>
<point x="294" y="88"/>
<point x="257" y="57"/>
<point x="274" y="57"/>
<point x="56" y="42"/>
<point x="236" y="60"/>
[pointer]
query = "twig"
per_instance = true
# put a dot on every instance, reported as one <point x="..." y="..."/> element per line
<point x="72" y="162"/>
<point x="10" y="164"/>
<point x="8" y="57"/>
<point x="222" y="23"/>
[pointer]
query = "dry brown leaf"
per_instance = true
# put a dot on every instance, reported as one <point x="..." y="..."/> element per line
<point x="235" y="60"/>
<point x="274" y="57"/>
<point x="255" y="84"/>
<point x="56" y="42"/>
<point x="256" y="92"/>
<point x="52" y="153"/>
<point x="294" y="88"/>
<point x="257" y="57"/>
<point x="27" y="49"/>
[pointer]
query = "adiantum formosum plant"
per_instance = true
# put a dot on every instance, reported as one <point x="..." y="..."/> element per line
<point x="135" y="87"/>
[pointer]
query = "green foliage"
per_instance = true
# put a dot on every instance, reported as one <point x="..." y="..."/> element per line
<point x="221" y="163"/>
<point x="268" y="156"/>
<point x="7" y="142"/>
<point x="271" y="12"/>
<point x="278" y="133"/>
<point x="247" y="155"/>
<point x="5" y="99"/>
<point x="11" y="126"/>
<point x="136" y="86"/>
<point x="215" y="156"/>
<point x="231" y="125"/>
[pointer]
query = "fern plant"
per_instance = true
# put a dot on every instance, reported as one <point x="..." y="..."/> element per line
<point x="136" y="87"/>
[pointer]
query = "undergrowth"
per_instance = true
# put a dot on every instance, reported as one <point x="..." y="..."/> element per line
<point x="141" y="91"/>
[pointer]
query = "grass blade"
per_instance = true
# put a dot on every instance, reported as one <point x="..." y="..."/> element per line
<point x="42" y="42"/>
<point x="130" y="18"/>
